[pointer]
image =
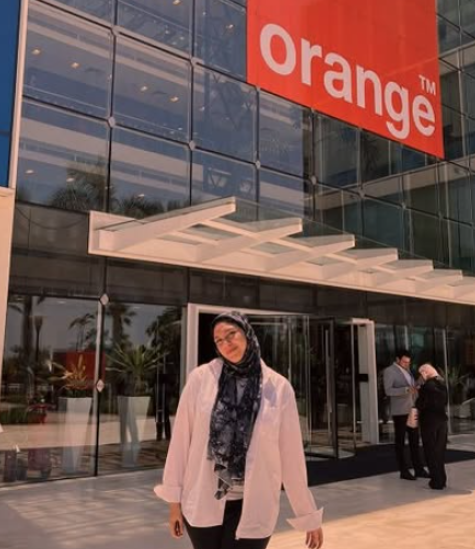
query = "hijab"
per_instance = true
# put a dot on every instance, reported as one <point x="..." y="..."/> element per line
<point x="232" y="419"/>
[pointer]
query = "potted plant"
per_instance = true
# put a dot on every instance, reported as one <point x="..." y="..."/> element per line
<point x="133" y="367"/>
<point x="74" y="406"/>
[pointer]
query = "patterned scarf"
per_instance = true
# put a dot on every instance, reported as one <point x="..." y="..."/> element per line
<point x="232" y="423"/>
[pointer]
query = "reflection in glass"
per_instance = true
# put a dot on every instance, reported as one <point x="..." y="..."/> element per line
<point x="168" y="23"/>
<point x="214" y="177"/>
<point x="383" y="223"/>
<point x="62" y="159"/>
<point x="339" y="209"/>
<point x="461" y="246"/>
<point x="224" y="115"/>
<point x="220" y="39"/>
<point x="420" y="189"/>
<point x="424" y="235"/>
<point x="337" y="153"/>
<point x="453" y="134"/>
<point x="375" y="157"/>
<point x="49" y="368"/>
<point x="387" y="188"/>
<point x="148" y="175"/>
<point x="142" y="383"/>
<point x="152" y="91"/>
<point x="104" y="9"/>
<point x="449" y="36"/>
<point x="285" y="193"/>
<point x="285" y="135"/>
<point x="68" y="62"/>
<point x="455" y="195"/>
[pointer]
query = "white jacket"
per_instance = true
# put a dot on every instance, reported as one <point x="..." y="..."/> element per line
<point x="275" y="457"/>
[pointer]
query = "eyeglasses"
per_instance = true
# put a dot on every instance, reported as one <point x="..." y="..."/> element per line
<point x="226" y="339"/>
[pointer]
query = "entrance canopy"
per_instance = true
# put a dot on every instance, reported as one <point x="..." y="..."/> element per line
<point x="240" y="237"/>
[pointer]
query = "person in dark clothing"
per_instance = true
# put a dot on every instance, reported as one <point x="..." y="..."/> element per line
<point x="433" y="423"/>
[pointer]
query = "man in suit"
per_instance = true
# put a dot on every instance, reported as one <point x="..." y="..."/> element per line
<point x="401" y="388"/>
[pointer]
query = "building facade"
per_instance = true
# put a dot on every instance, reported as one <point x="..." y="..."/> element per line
<point x="141" y="110"/>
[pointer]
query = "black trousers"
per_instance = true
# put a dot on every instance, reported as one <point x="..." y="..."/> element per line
<point x="434" y="440"/>
<point x="400" y="430"/>
<point x="224" y="536"/>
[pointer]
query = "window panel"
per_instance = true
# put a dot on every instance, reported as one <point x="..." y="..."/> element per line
<point x="148" y="175"/>
<point x="220" y="39"/>
<point x="420" y="189"/>
<point x="449" y="36"/>
<point x="285" y="135"/>
<point x="168" y="23"/>
<point x="453" y="133"/>
<point x="424" y="235"/>
<point x="337" y="149"/>
<point x="62" y="159"/>
<point x="455" y="192"/>
<point x="152" y="91"/>
<point x="218" y="177"/>
<point x="224" y="115"/>
<point x="461" y="246"/>
<point x="383" y="223"/>
<point x="283" y="192"/>
<point x="339" y="209"/>
<point x="387" y="188"/>
<point x="104" y="9"/>
<point x="68" y="62"/>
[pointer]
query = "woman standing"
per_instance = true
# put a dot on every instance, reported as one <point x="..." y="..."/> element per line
<point x="235" y="441"/>
<point x="431" y="404"/>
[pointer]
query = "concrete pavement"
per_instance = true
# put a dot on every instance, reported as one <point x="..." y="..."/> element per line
<point x="121" y="512"/>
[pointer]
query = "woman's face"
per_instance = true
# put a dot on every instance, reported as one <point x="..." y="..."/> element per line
<point x="230" y="341"/>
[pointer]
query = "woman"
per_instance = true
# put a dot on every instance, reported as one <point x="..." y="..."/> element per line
<point x="431" y="404"/>
<point x="235" y="441"/>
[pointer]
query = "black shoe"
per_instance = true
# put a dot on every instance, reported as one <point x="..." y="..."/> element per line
<point x="437" y="486"/>
<point x="407" y="475"/>
<point x="422" y="474"/>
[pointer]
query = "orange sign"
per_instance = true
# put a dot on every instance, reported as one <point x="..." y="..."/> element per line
<point x="371" y="63"/>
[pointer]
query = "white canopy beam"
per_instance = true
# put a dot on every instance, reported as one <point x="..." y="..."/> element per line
<point x="437" y="278"/>
<point x="128" y="234"/>
<point x="400" y="270"/>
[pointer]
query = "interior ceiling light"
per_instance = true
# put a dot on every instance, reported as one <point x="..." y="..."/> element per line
<point x="176" y="2"/>
<point x="29" y="172"/>
<point x="36" y="51"/>
<point x="144" y="88"/>
<point x="174" y="99"/>
<point x="69" y="179"/>
<point x="230" y="26"/>
<point x="75" y="65"/>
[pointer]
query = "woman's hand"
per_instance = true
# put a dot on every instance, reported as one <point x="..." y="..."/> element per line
<point x="175" y="520"/>
<point x="314" y="539"/>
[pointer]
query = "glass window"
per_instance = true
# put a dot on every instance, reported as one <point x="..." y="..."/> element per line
<point x="62" y="159"/>
<point x="412" y="159"/>
<point x="283" y="192"/>
<point x="467" y="16"/>
<point x="455" y="192"/>
<point x="339" y="209"/>
<point x="68" y="61"/>
<point x="104" y="9"/>
<point x="423" y="235"/>
<point x="449" y="9"/>
<point x="220" y="36"/>
<point x="420" y="189"/>
<point x="337" y="153"/>
<point x="49" y="370"/>
<point x="449" y="36"/>
<point x="285" y="135"/>
<point x="461" y="246"/>
<point x="450" y="87"/>
<point x="217" y="177"/>
<point x="168" y="23"/>
<point x="453" y="133"/>
<point x="383" y="223"/>
<point x="224" y="115"/>
<point x="148" y="175"/>
<point x="50" y="253"/>
<point x="375" y="160"/>
<point x="387" y="188"/>
<point x="467" y="55"/>
<point x="152" y="91"/>
<point x="469" y="94"/>
<point x="470" y="125"/>
<point x="142" y="384"/>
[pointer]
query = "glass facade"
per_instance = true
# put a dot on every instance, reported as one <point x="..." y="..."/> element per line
<point x="138" y="107"/>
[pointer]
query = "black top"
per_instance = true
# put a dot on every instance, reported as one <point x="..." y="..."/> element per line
<point x="432" y="399"/>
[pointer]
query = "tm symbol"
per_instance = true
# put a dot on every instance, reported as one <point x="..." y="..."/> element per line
<point x="428" y="86"/>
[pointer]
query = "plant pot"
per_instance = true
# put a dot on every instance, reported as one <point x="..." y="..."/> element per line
<point x="75" y="424"/>
<point x="132" y="416"/>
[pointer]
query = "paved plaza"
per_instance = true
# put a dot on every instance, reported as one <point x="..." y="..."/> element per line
<point x="121" y="512"/>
